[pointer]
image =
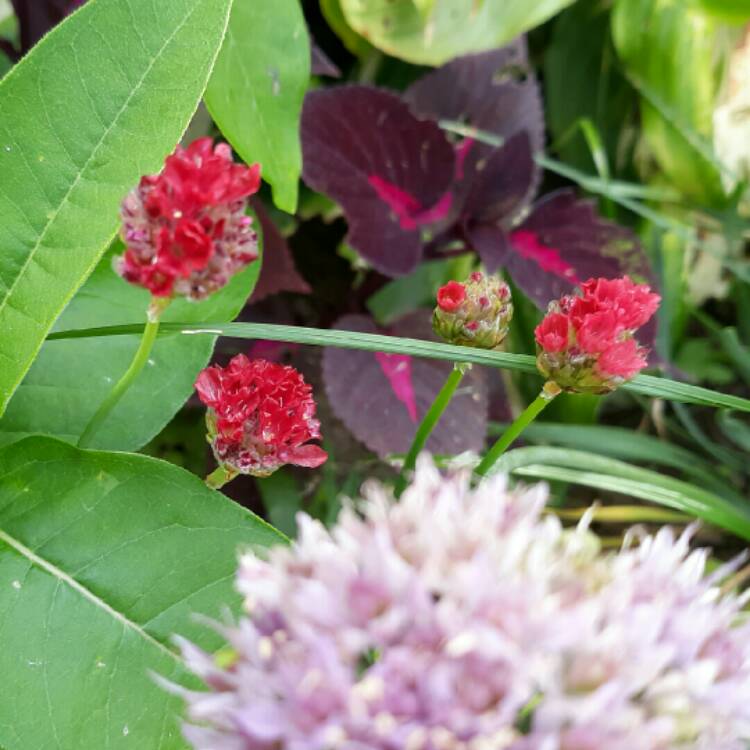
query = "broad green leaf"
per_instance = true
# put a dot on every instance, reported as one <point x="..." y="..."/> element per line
<point x="672" y="54"/>
<point x="732" y="11"/>
<point x="451" y="28"/>
<point x="334" y="16"/>
<point x="647" y="385"/>
<point x="417" y="289"/>
<point x="69" y="379"/>
<point x="255" y="92"/>
<point x="608" y="474"/>
<point x="282" y="499"/>
<point x="97" y="103"/>
<point x="103" y="557"/>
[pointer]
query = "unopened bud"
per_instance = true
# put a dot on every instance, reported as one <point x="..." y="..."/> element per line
<point x="476" y="313"/>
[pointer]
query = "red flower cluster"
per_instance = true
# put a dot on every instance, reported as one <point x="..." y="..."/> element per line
<point x="585" y="343"/>
<point x="260" y="415"/>
<point x="185" y="229"/>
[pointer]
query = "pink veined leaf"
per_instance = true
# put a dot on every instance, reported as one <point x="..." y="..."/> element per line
<point x="397" y="368"/>
<point x="527" y="244"/>
<point x="411" y="214"/>
<point x="387" y="169"/>
<point x="565" y="241"/>
<point x="370" y="393"/>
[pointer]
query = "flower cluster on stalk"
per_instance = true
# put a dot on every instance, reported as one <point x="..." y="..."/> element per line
<point x="461" y="619"/>
<point x="585" y="343"/>
<point x="185" y="229"/>
<point x="261" y="415"/>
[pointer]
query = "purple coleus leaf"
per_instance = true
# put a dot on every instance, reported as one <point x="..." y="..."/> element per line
<point x="36" y="18"/>
<point x="321" y="64"/>
<point x="382" y="397"/>
<point x="497" y="92"/>
<point x="277" y="271"/>
<point x="389" y="170"/>
<point x="404" y="183"/>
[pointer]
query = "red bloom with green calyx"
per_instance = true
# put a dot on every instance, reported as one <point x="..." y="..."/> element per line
<point x="585" y="343"/>
<point x="185" y="229"/>
<point x="261" y="415"/>
<point x="476" y="313"/>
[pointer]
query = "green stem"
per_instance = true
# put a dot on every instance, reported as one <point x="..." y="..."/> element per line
<point x="526" y="417"/>
<point x="427" y="425"/>
<point x="148" y="338"/>
<point x="219" y="477"/>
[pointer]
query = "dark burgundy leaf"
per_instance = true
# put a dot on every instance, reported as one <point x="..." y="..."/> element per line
<point x="490" y="243"/>
<point x="389" y="171"/>
<point x="370" y="393"/>
<point x="565" y="241"/>
<point x="37" y="17"/>
<point x="277" y="272"/>
<point x="501" y="189"/>
<point x="495" y="91"/>
<point x="321" y="65"/>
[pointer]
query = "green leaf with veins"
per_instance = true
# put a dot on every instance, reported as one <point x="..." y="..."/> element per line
<point x="89" y="110"/>
<point x="103" y="557"/>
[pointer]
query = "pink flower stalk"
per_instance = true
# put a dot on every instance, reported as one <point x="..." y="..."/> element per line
<point x="585" y="343"/>
<point x="185" y="229"/>
<point x="476" y="313"/>
<point x="465" y="619"/>
<point x="261" y="415"/>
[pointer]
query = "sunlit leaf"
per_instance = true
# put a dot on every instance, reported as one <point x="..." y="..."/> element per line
<point x="88" y="111"/>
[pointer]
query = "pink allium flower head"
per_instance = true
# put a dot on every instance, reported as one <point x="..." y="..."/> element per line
<point x="585" y="343"/>
<point x="185" y="229"/>
<point x="476" y="313"/>
<point x="465" y="619"/>
<point x="260" y="416"/>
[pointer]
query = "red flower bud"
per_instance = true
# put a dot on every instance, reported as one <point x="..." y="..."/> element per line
<point x="585" y="343"/>
<point x="185" y="229"/>
<point x="450" y="296"/>
<point x="476" y="313"/>
<point x="260" y="416"/>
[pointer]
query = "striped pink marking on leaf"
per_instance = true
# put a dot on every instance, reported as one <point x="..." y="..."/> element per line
<point x="409" y="210"/>
<point x="397" y="368"/>
<point x="528" y="246"/>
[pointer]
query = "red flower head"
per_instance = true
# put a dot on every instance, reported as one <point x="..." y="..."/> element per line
<point x="260" y="416"/>
<point x="585" y="343"/>
<point x="185" y="229"/>
<point x="476" y="313"/>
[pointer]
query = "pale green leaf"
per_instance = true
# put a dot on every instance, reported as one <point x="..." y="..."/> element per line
<point x="97" y="103"/>
<point x="451" y="28"/>
<point x="69" y="379"/>
<point x="102" y="558"/>
<point x="255" y="92"/>
<point x="672" y="54"/>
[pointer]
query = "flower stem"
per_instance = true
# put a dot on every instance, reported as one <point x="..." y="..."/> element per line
<point x="427" y="425"/>
<point x="219" y="477"/>
<point x="148" y="338"/>
<point x="526" y="417"/>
